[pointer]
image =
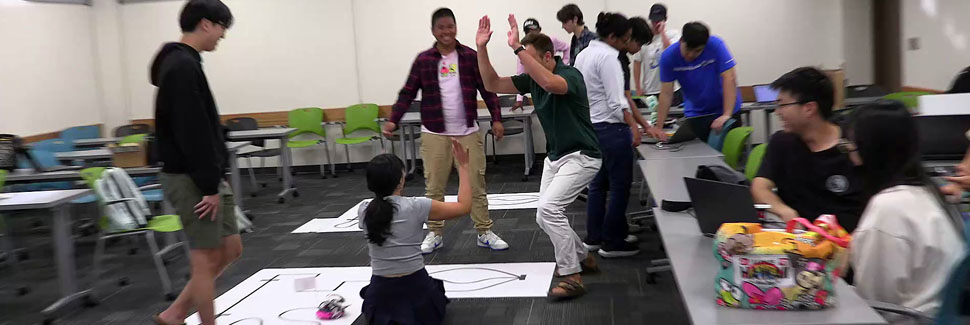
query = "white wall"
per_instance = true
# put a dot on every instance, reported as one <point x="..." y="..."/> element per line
<point x="47" y="75"/>
<point x="944" y="36"/>
<point x="857" y="41"/>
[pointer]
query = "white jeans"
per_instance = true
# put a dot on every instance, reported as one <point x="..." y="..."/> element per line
<point x="562" y="181"/>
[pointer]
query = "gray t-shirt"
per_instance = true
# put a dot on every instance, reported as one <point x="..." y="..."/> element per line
<point x="401" y="252"/>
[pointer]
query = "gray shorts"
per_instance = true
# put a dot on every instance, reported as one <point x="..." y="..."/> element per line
<point x="180" y="191"/>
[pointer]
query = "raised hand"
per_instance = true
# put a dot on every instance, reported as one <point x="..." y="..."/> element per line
<point x="513" y="32"/>
<point x="460" y="153"/>
<point x="484" y="31"/>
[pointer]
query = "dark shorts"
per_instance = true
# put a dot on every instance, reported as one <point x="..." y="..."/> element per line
<point x="414" y="299"/>
<point x="180" y="191"/>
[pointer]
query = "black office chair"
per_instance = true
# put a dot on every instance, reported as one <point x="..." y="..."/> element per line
<point x="512" y="127"/>
<point x="245" y="124"/>
<point x="858" y="91"/>
<point x="132" y="129"/>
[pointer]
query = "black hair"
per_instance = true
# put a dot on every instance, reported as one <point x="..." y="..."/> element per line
<point x="695" y="34"/>
<point x="384" y="174"/>
<point x="641" y="30"/>
<point x="808" y="84"/>
<point x="887" y="140"/>
<point x="442" y="13"/>
<point x="540" y="42"/>
<point x="196" y="10"/>
<point x="611" y="24"/>
<point x="568" y="12"/>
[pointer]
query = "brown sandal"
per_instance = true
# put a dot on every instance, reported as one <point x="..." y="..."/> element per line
<point x="158" y="320"/>
<point x="572" y="290"/>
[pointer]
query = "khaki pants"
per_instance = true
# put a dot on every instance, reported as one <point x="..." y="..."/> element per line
<point x="438" y="163"/>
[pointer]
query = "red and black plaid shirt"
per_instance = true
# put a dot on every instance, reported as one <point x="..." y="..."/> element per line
<point x="424" y="76"/>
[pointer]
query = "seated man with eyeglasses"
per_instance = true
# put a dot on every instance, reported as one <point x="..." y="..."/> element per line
<point x="806" y="171"/>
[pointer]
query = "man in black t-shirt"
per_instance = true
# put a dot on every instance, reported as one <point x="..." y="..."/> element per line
<point x="807" y="163"/>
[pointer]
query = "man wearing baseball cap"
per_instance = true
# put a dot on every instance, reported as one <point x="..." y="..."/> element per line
<point x="531" y="26"/>
<point x="646" y="63"/>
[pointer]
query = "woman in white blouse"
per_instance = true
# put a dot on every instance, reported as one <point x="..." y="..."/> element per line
<point x="908" y="239"/>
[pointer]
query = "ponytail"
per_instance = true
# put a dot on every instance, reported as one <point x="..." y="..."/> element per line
<point x="384" y="174"/>
<point x="611" y="24"/>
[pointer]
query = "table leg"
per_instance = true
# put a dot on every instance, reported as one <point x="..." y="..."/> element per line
<point x="414" y="150"/>
<point x="767" y="125"/>
<point x="287" y="160"/>
<point x="64" y="257"/>
<point x="234" y="179"/>
<point x="404" y="144"/>
<point x="530" y="151"/>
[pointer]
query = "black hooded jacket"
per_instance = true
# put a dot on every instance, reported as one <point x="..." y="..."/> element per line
<point x="189" y="136"/>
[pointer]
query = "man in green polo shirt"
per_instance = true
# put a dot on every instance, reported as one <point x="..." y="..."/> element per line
<point x="573" y="155"/>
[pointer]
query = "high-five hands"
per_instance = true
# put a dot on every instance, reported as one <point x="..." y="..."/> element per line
<point x="513" y="33"/>
<point x="484" y="33"/>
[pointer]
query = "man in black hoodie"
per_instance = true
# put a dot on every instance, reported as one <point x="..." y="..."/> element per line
<point x="191" y="146"/>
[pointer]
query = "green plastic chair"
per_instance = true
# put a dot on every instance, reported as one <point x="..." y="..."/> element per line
<point x="360" y="117"/>
<point x="134" y="138"/>
<point x="163" y="224"/>
<point x="908" y="98"/>
<point x="754" y="161"/>
<point x="309" y="120"/>
<point x="734" y="145"/>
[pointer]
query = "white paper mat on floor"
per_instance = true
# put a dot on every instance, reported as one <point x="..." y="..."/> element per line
<point x="347" y="222"/>
<point x="270" y="296"/>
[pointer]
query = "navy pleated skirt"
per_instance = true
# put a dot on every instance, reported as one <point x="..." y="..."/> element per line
<point x="414" y="299"/>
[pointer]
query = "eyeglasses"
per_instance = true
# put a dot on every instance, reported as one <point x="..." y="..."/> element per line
<point x="780" y="105"/>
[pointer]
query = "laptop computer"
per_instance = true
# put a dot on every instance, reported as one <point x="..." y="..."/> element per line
<point x="764" y="94"/>
<point x="941" y="137"/>
<point x="718" y="202"/>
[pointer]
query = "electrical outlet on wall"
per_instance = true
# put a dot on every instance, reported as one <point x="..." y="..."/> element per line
<point x="912" y="43"/>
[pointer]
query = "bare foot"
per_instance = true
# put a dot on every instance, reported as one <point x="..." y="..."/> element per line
<point x="164" y="318"/>
<point x="560" y="291"/>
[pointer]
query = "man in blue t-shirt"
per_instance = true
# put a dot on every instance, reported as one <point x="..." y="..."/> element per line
<point x="704" y="68"/>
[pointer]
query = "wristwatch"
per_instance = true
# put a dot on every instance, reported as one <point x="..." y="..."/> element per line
<point x="520" y="49"/>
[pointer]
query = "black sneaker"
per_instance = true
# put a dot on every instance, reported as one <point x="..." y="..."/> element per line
<point x="621" y="250"/>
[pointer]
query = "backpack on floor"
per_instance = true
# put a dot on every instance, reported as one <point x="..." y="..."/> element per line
<point x="132" y="212"/>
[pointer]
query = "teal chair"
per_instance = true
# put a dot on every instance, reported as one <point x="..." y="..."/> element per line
<point x="309" y="121"/>
<point x="157" y="224"/>
<point x="754" y="161"/>
<point x="716" y="139"/>
<point x="53" y="145"/>
<point x="360" y="117"/>
<point x="81" y="132"/>
<point x="734" y="145"/>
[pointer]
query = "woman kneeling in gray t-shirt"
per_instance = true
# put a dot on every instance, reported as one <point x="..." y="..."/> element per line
<point x="400" y="290"/>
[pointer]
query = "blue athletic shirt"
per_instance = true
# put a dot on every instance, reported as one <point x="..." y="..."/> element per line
<point x="700" y="80"/>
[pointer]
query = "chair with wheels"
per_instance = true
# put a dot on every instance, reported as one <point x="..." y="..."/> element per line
<point x="309" y="121"/>
<point x="360" y="117"/>
<point x="126" y="130"/>
<point x="754" y="161"/>
<point x="395" y="137"/>
<point x="734" y="145"/>
<point x="908" y="98"/>
<point x="716" y="139"/>
<point x="245" y="124"/>
<point x="512" y="127"/>
<point x="165" y="224"/>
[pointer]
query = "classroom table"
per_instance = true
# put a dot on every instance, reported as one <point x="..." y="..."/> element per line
<point x="412" y="120"/>
<point x="62" y="238"/>
<point x="694" y="267"/>
<point x="286" y="159"/>
<point x="30" y="176"/>
<point x="689" y="149"/>
<point x="84" y="155"/>
<point x="95" y="142"/>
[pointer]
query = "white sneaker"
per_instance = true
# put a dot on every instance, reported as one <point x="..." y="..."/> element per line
<point x="632" y="239"/>
<point x="490" y="240"/>
<point x="431" y="243"/>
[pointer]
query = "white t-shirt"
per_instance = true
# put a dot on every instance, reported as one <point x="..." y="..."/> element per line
<point x="905" y="248"/>
<point x="452" y="102"/>
<point x="649" y="57"/>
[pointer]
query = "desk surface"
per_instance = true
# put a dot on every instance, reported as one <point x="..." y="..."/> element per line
<point x="694" y="266"/>
<point x="38" y="200"/>
<point x="27" y="175"/>
<point x="690" y="149"/>
<point x="483" y="114"/>
<point x="84" y="154"/>
<point x="95" y="141"/>
<point x="266" y="133"/>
